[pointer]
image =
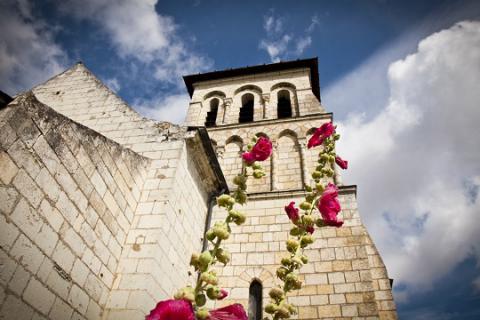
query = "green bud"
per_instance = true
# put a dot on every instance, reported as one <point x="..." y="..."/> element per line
<point x="319" y="186"/>
<point x="286" y="261"/>
<point x="237" y="217"/>
<point x="271" y="308"/>
<point x="276" y="293"/>
<point x="306" y="240"/>
<point x="308" y="220"/>
<point x="240" y="196"/>
<point x="239" y="180"/>
<point x="308" y="188"/>
<point x="295" y="231"/>
<point x="324" y="157"/>
<point x="316" y="175"/>
<point x="291" y="277"/>
<point x="331" y="159"/>
<point x="336" y="136"/>
<point x="187" y="293"/>
<point x="202" y="314"/>
<point x="194" y="259"/>
<point x="282" y="313"/>
<point x="249" y="146"/>
<point x="200" y="300"/>
<point x="305" y="206"/>
<point x="304" y="259"/>
<point x="292" y="245"/>
<point x="213" y="292"/>
<point x="320" y="223"/>
<point x="223" y="256"/>
<point x="257" y="166"/>
<point x="297" y="260"/>
<point x="220" y="230"/>
<point x="281" y="273"/>
<point x="310" y="197"/>
<point x="257" y="174"/>
<point x="210" y="235"/>
<point x="225" y="200"/>
<point x="205" y="258"/>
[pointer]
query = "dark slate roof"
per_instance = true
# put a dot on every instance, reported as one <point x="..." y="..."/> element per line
<point x="4" y="99"/>
<point x="312" y="64"/>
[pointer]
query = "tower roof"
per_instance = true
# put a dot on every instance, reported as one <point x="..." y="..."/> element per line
<point x="312" y="64"/>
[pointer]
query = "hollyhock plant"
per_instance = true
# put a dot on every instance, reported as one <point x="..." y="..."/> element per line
<point x="261" y="151"/>
<point x="341" y="163"/>
<point x="320" y="134"/>
<point x="318" y="196"/>
<point x="190" y="301"/>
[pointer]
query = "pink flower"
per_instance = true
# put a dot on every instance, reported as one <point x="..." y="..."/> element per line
<point x="231" y="312"/>
<point x="292" y="212"/>
<point x="341" y="163"/>
<point x="320" y="134"/>
<point x="223" y="294"/>
<point x="329" y="206"/>
<point x="172" y="310"/>
<point x="260" y="151"/>
<point x="183" y="310"/>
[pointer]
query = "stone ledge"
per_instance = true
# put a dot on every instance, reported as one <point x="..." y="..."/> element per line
<point x="343" y="190"/>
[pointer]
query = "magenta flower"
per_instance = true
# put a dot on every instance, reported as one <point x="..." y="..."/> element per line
<point x="231" y="312"/>
<point x="172" y="310"/>
<point x="310" y="229"/>
<point x="320" y="134"/>
<point x="292" y="212"/>
<point x="260" y="151"/>
<point x="223" y="294"/>
<point x="341" y="163"/>
<point x="329" y="206"/>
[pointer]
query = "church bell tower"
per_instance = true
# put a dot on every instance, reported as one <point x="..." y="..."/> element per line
<point x="345" y="277"/>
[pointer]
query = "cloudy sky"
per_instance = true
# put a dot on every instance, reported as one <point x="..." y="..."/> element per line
<point x="402" y="78"/>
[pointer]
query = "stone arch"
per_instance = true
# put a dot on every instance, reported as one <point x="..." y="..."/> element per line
<point x="231" y="162"/>
<point x="288" y="163"/>
<point x="216" y="93"/>
<point x="274" y="99"/>
<point x="249" y="87"/>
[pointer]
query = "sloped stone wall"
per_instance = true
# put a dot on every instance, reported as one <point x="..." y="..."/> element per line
<point x="67" y="199"/>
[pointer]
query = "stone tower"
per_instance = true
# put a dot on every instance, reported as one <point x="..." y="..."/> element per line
<point x="345" y="277"/>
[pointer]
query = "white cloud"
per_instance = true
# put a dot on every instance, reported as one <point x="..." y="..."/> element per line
<point x="281" y="45"/>
<point x="28" y="52"/>
<point x="138" y="31"/>
<point x="416" y="160"/>
<point x="172" y="108"/>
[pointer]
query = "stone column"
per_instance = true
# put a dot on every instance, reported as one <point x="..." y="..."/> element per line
<point x="227" y="103"/>
<point x="302" y="145"/>
<point x="265" y="102"/>
<point x="273" y="167"/>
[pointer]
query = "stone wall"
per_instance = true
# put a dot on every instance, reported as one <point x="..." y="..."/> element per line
<point x="67" y="199"/>
<point x="344" y="279"/>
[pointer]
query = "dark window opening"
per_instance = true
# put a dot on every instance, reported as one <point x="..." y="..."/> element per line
<point x="212" y="114"/>
<point x="246" y="111"/>
<point x="255" y="301"/>
<point x="284" y="106"/>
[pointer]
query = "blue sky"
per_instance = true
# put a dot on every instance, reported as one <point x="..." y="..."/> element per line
<point x="400" y="76"/>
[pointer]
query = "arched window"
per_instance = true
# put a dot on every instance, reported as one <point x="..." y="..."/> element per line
<point x="284" y="105"/>
<point x="246" y="111"/>
<point x="255" y="301"/>
<point x="212" y="114"/>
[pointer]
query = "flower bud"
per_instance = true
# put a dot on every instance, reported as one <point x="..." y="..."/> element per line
<point x="306" y="240"/>
<point x="200" y="300"/>
<point x="308" y="188"/>
<point x="331" y="158"/>
<point x="257" y="174"/>
<point x="291" y="277"/>
<point x="286" y="261"/>
<point x="336" y="136"/>
<point x="220" y="230"/>
<point x="187" y="293"/>
<point x="320" y="223"/>
<point x="210" y="235"/>
<point x="283" y="313"/>
<point x="205" y="258"/>
<point x="324" y="157"/>
<point x="305" y="206"/>
<point x="292" y="245"/>
<point x="238" y="180"/>
<point x="225" y="200"/>
<point x="281" y="273"/>
<point x="213" y="292"/>
<point x="271" y="308"/>
<point x="319" y="186"/>
<point x="202" y="314"/>
<point x="241" y="197"/>
<point x="308" y="219"/>
<point x="297" y="260"/>
<point x="223" y="256"/>
<point x="316" y="175"/>
<point x="257" y="166"/>
<point x="222" y="295"/>
<point x="249" y="146"/>
<point x="194" y="259"/>
<point x="304" y="259"/>
<point x="295" y="231"/>
<point x="276" y="293"/>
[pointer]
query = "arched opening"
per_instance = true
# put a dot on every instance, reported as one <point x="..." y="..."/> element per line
<point x="284" y="105"/>
<point x="255" y="301"/>
<point x="246" y="111"/>
<point x="212" y="114"/>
